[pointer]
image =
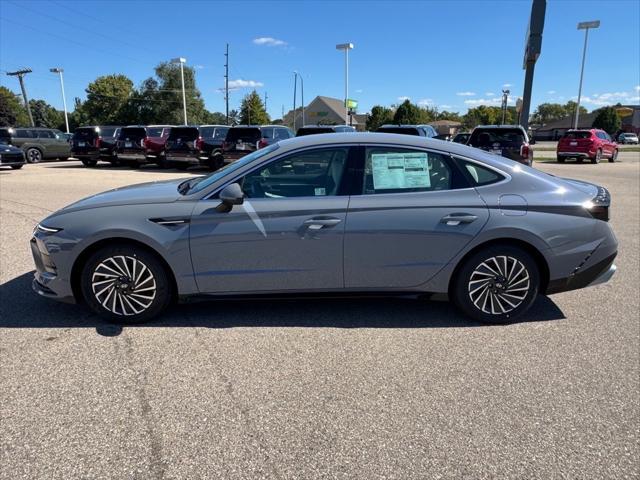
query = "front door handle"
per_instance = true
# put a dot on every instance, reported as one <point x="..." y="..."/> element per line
<point x="454" y="219"/>
<point x="318" y="223"/>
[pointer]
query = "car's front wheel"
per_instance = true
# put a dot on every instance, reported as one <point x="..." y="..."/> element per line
<point x="560" y="159"/>
<point x="614" y="156"/>
<point x="497" y="284"/>
<point x="125" y="284"/>
<point x="33" y="155"/>
<point x="89" y="163"/>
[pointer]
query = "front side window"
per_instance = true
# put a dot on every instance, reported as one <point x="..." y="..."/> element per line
<point x="389" y="170"/>
<point x="315" y="173"/>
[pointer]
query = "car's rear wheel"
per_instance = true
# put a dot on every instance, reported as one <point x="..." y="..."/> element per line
<point x="614" y="156"/>
<point x="33" y="155"/>
<point x="560" y="159"/>
<point x="598" y="157"/>
<point x="496" y="285"/>
<point x="89" y="163"/>
<point x="125" y="284"/>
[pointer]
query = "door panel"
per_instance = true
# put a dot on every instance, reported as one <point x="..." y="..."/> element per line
<point x="282" y="244"/>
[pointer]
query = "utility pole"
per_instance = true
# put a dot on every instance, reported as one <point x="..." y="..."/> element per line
<point x="295" y="84"/>
<point x="265" y="101"/>
<point x="20" y="74"/>
<point x="226" y="82"/>
<point x="505" y="99"/>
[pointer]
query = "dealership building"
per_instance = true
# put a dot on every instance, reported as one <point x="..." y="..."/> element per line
<point x="324" y="111"/>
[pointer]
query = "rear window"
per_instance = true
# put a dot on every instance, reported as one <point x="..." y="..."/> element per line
<point x="184" y="133"/>
<point x="244" y="134"/>
<point x="22" y="133"/>
<point x="154" y="131"/>
<point x="217" y="133"/>
<point x="85" y="133"/>
<point x="512" y="137"/>
<point x="400" y="130"/>
<point x="133" y="132"/>
<point x="108" y="131"/>
<point x="576" y="135"/>
<point x="311" y="131"/>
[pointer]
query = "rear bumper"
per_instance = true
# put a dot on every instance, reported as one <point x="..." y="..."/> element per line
<point x="132" y="156"/>
<point x="596" y="274"/>
<point x="575" y="154"/>
<point x="233" y="156"/>
<point x="192" y="159"/>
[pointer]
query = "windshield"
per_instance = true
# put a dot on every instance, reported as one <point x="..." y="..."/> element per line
<point x="200" y="183"/>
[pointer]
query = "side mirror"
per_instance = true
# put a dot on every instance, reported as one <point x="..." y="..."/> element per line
<point x="231" y="195"/>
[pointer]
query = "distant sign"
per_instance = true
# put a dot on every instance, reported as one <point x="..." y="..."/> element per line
<point x="352" y="104"/>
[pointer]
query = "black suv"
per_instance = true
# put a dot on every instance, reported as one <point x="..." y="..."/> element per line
<point x="510" y="141"/>
<point x="132" y="145"/>
<point x="37" y="143"/>
<point x="244" y="139"/>
<point x="317" y="129"/>
<point x="416" y="130"/>
<point x="92" y="143"/>
<point x="201" y="145"/>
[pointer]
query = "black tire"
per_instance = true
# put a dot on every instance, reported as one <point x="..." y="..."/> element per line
<point x="33" y="155"/>
<point x="17" y="167"/>
<point x="215" y="163"/>
<point x="181" y="165"/>
<point x="560" y="159"/>
<point x="89" y="163"/>
<point x="123" y="310"/>
<point x="598" y="157"/>
<point x="133" y="164"/>
<point x="614" y="156"/>
<point x="470" y="276"/>
<point x="161" y="161"/>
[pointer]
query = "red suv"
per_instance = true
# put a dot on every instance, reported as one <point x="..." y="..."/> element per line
<point x="592" y="144"/>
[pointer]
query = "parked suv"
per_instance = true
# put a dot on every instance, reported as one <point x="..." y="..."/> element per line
<point x="93" y="143"/>
<point x="131" y="145"/>
<point x="461" y="138"/>
<point x="155" y="142"/>
<point x="196" y="146"/>
<point x="628" y="138"/>
<point x="510" y="141"/>
<point x="38" y="143"/>
<point x="415" y="130"/>
<point x="244" y="139"/>
<point x="593" y="144"/>
<point x="210" y="144"/>
<point x="316" y="129"/>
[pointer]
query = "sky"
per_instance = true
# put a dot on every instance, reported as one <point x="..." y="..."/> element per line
<point x="452" y="55"/>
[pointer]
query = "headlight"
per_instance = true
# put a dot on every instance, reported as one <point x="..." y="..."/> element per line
<point x="46" y="230"/>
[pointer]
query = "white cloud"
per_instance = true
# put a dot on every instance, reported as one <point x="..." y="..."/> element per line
<point x="425" y="102"/>
<point x="198" y="67"/>
<point x="269" y="42"/>
<point x="489" y="94"/>
<point x="491" y="102"/>
<point x="507" y="85"/>
<point x="611" y="98"/>
<point x="240" y="83"/>
<point x="551" y="92"/>
<point x="446" y="107"/>
<point x="359" y="90"/>
<point x="403" y="98"/>
<point x="466" y="94"/>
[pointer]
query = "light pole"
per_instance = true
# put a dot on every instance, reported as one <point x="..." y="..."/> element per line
<point x="297" y="74"/>
<point x="295" y="84"/>
<point x="64" y="99"/>
<point x="505" y="99"/>
<point x="182" y="61"/>
<point x="346" y="47"/>
<point x="583" y="26"/>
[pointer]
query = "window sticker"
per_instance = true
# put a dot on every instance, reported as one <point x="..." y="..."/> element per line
<point x="400" y="170"/>
<point x="319" y="191"/>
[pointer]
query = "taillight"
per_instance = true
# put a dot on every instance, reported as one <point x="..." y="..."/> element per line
<point x="262" y="143"/>
<point x="199" y="143"/>
<point x="525" y="151"/>
<point x="98" y="142"/>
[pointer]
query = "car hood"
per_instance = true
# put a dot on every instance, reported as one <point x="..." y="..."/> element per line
<point x="4" y="148"/>
<point x="153" y="192"/>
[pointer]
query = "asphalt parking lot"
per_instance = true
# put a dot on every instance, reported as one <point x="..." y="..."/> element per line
<point x="359" y="388"/>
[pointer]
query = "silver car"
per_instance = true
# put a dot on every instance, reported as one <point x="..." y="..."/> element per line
<point x="376" y="213"/>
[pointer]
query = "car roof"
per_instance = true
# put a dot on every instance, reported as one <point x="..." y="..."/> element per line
<point x="217" y="126"/>
<point x="498" y="127"/>
<point x="391" y="125"/>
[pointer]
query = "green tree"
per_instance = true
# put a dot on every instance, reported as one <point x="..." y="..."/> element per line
<point x="407" y="113"/>
<point x="12" y="112"/>
<point x="108" y="100"/>
<point x="446" y="115"/>
<point x="44" y="115"/>
<point x="234" y="117"/>
<point x="427" y="114"/>
<point x="607" y="120"/>
<point x="378" y="117"/>
<point x="252" y="110"/>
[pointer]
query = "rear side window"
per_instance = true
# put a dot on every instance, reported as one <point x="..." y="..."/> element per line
<point x="45" y="134"/>
<point x="393" y="170"/>
<point x="22" y="133"/>
<point x="479" y="175"/>
<point x="576" y="135"/>
<point x="504" y="137"/>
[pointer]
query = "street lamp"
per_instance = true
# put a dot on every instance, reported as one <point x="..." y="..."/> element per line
<point x="64" y="99"/>
<point x="505" y="100"/>
<point x="297" y="74"/>
<point x="182" y="61"/>
<point x="583" y="26"/>
<point x="346" y="47"/>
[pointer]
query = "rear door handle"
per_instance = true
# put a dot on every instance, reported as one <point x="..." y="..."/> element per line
<point x="454" y="219"/>
<point x="318" y="223"/>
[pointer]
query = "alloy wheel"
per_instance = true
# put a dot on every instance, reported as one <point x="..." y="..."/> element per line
<point x="499" y="285"/>
<point x="124" y="285"/>
<point x="34" y="155"/>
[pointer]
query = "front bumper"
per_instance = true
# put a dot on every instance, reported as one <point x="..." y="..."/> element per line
<point x="8" y="162"/>
<point x="47" y="281"/>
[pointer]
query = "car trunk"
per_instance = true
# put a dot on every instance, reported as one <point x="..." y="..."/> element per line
<point x="182" y="142"/>
<point x="575" y="142"/>
<point x="131" y="141"/>
<point x="242" y="140"/>
<point x="85" y="141"/>
<point x="507" y="142"/>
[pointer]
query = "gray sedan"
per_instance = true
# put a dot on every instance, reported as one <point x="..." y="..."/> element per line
<point x="332" y="214"/>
